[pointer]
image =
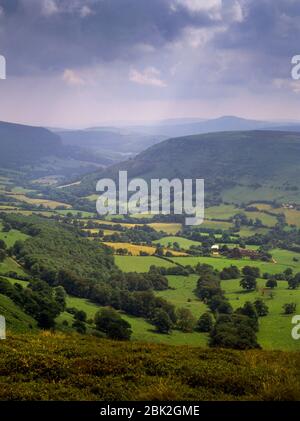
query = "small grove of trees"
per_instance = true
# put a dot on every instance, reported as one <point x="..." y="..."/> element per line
<point x="231" y="272"/>
<point x="111" y="323"/>
<point x="38" y="300"/>
<point x="248" y="282"/>
<point x="162" y="321"/>
<point x="185" y="320"/>
<point x="232" y="329"/>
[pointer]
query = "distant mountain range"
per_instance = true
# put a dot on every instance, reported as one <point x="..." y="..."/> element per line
<point x="119" y="142"/>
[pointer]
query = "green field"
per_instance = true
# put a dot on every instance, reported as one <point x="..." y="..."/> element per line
<point x="12" y="236"/>
<point x="275" y="328"/>
<point x="10" y="265"/>
<point x="250" y="231"/>
<point x="142" y="330"/>
<point x="181" y="294"/>
<point x="184" y="243"/>
<point x="221" y="212"/>
<point x="222" y="225"/>
<point x="284" y="260"/>
<point x="140" y="263"/>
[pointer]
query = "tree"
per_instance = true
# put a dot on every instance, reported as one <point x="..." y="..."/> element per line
<point x="110" y="322"/>
<point x="289" y="308"/>
<point x="220" y="304"/>
<point x="80" y="315"/>
<point x="185" y="320"/>
<point x="205" y="323"/>
<point x="60" y="297"/>
<point x="251" y="271"/>
<point x="261" y="308"/>
<point x="79" y="326"/>
<point x="233" y="331"/>
<point x="162" y="321"/>
<point x="294" y="282"/>
<point x="248" y="283"/>
<point x="2" y="255"/>
<point x="159" y="251"/>
<point x="271" y="283"/>
<point x="230" y="273"/>
<point x="46" y="320"/>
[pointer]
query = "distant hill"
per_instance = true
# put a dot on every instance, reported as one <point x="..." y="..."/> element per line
<point x="174" y="128"/>
<point x="252" y="163"/>
<point x="114" y="143"/>
<point x="125" y="141"/>
<point x="40" y="152"/>
<point x="21" y="145"/>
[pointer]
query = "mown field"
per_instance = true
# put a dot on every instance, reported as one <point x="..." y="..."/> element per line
<point x="140" y="263"/>
<point x="184" y="243"/>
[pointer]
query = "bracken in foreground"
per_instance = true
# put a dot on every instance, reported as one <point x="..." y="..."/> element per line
<point x="55" y="366"/>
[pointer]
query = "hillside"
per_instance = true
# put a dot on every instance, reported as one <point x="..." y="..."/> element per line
<point x="21" y="145"/>
<point x="259" y="163"/>
<point x="38" y="152"/>
<point x="16" y="320"/>
<point x="72" y="367"/>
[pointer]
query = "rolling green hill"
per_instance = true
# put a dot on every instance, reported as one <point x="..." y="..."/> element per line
<point x="262" y="163"/>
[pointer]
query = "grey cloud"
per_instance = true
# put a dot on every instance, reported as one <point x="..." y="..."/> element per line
<point x="33" y="39"/>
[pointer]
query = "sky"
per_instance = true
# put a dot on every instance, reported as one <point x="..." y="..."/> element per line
<point x="81" y="63"/>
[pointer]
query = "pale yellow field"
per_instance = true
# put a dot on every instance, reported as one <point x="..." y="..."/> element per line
<point x="262" y="206"/>
<point x="169" y="228"/>
<point x="135" y="249"/>
<point x="101" y="221"/>
<point x="7" y="207"/>
<point x="96" y="230"/>
<point x="51" y="204"/>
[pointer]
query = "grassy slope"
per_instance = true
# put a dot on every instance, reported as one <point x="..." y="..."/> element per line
<point x="12" y="236"/>
<point x="10" y="265"/>
<point x="85" y="368"/>
<point x="284" y="259"/>
<point x="275" y="329"/>
<point x="16" y="319"/>
<point x="139" y="263"/>
<point x="143" y="330"/>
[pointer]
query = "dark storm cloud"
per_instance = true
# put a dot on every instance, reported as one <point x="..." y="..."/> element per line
<point x="53" y="34"/>
<point x="270" y="32"/>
